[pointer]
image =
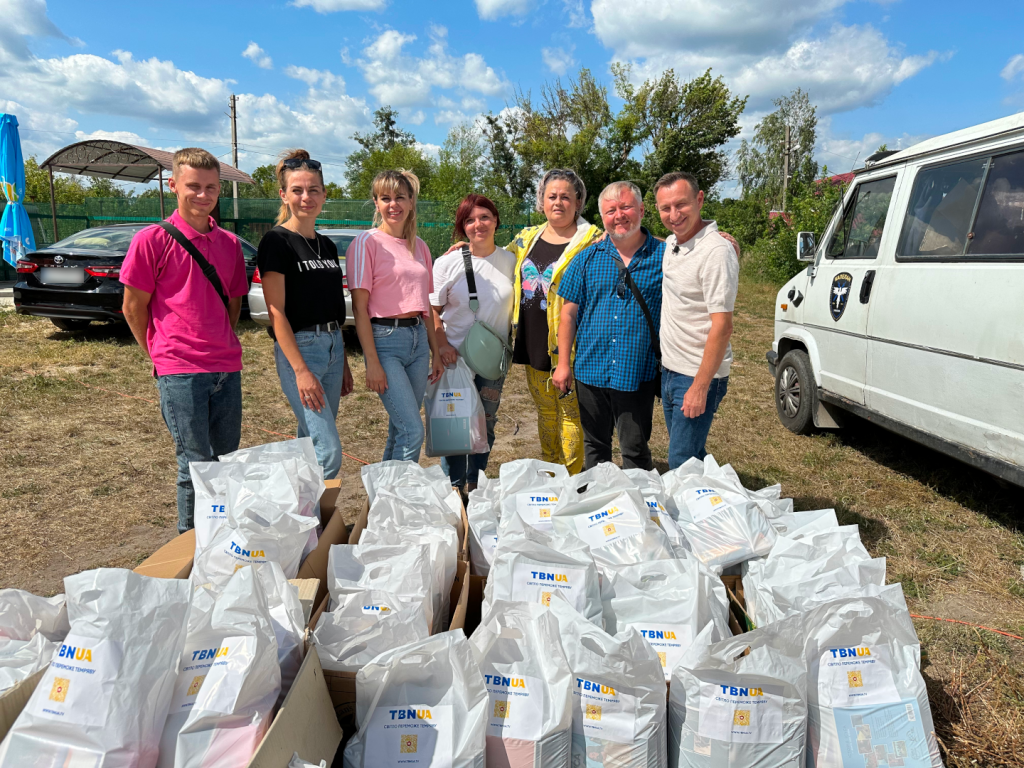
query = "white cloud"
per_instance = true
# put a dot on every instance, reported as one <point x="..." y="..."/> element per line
<point x="156" y="93"/>
<point x="1013" y="68"/>
<point x="450" y="117"/>
<point x="558" y="60"/>
<point x="574" y="10"/>
<point x="431" y="150"/>
<point x="495" y="9"/>
<point x="333" y="6"/>
<point x="386" y="56"/>
<point x="842" y="154"/>
<point x="764" y="48"/>
<point x="258" y="56"/>
<point x="416" y="118"/>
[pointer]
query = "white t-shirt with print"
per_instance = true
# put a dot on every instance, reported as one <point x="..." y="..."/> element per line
<point x="494" y="286"/>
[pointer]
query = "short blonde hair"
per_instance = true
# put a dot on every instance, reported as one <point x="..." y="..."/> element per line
<point x="390" y="182"/>
<point x="194" y="157"/>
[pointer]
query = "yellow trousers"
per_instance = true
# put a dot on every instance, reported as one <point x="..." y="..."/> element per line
<point x="558" y="421"/>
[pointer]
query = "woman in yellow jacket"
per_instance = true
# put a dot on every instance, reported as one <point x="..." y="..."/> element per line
<point x="542" y="255"/>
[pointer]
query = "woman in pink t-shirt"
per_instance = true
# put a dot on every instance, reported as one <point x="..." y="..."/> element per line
<point x="389" y="272"/>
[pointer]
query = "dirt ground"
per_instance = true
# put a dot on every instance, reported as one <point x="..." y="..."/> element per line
<point x="88" y="480"/>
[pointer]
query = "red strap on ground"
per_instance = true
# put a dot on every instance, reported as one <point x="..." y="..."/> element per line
<point x="968" y="624"/>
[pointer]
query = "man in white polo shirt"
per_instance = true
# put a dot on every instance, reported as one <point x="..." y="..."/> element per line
<point x="701" y="274"/>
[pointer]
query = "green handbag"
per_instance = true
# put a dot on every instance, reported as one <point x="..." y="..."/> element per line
<point x="483" y="349"/>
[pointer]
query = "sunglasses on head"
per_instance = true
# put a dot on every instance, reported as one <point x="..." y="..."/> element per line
<point x="297" y="162"/>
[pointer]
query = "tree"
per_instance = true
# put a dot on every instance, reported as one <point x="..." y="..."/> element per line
<point x="66" y="189"/>
<point x="264" y="187"/>
<point x="665" y="124"/>
<point x="105" y="188"/>
<point x="360" y="178"/>
<point x="760" y="162"/>
<point x="387" y="135"/>
<point x="460" y="164"/>
<point x="506" y="172"/>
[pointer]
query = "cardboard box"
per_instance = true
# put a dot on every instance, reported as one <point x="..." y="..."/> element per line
<point x="329" y="498"/>
<point x="174" y="559"/>
<point x="739" y="622"/>
<point x="305" y="723"/>
<point x="342" y="685"/>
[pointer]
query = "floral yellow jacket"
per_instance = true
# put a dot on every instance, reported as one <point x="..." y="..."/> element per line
<point x="521" y="246"/>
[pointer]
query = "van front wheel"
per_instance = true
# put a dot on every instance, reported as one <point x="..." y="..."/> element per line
<point x="795" y="392"/>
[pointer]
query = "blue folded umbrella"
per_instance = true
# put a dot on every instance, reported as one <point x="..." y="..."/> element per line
<point x="15" y="227"/>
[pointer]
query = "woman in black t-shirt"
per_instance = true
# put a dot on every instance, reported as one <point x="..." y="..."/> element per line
<point x="303" y="288"/>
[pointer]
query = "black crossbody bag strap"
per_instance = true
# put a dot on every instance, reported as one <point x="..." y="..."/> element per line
<point x="207" y="267"/>
<point x="655" y="340"/>
<point x="467" y="260"/>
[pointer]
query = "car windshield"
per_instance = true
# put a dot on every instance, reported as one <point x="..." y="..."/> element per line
<point x="99" y="239"/>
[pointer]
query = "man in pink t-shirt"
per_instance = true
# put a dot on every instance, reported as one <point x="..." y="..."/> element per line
<point x="180" y="319"/>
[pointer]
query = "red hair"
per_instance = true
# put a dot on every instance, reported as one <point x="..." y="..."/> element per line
<point x="466" y="208"/>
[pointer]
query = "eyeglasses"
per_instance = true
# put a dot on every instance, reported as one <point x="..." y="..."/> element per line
<point x="293" y="163"/>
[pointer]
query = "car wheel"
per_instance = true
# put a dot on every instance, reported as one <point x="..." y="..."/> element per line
<point x="795" y="392"/>
<point x="70" y="325"/>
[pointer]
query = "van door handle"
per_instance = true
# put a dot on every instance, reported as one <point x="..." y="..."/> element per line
<point x="865" y="286"/>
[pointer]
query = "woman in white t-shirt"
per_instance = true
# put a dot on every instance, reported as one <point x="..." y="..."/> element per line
<point x="494" y="269"/>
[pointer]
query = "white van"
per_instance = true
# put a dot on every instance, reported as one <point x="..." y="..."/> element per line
<point x="911" y="313"/>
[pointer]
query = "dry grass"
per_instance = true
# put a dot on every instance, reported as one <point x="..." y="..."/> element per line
<point x="88" y="480"/>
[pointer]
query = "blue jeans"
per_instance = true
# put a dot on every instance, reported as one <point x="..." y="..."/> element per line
<point x="203" y="412"/>
<point x="463" y="469"/>
<point x="404" y="353"/>
<point x="324" y="354"/>
<point x="687" y="437"/>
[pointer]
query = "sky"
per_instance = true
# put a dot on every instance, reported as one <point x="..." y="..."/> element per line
<point x="310" y="72"/>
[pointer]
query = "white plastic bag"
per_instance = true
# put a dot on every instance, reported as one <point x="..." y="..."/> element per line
<point x="104" y="697"/>
<point x="298" y="762"/>
<point x="723" y="526"/>
<point x="444" y="555"/>
<point x="529" y="686"/>
<point x="668" y="602"/>
<point x="619" y="710"/>
<point x="531" y="567"/>
<point x="730" y="707"/>
<point x="865" y="689"/>
<point x="350" y="637"/>
<point x="799" y="559"/>
<point x="415" y="507"/>
<point x="394" y="474"/>
<point x="425" y="701"/>
<point x="484" y="515"/>
<point x="309" y="475"/>
<point x="228" y="678"/>
<point x="406" y="571"/>
<point x="263" y="525"/>
<point x="530" y="489"/>
<point x="802" y="595"/>
<point x="289" y="622"/>
<point x="612" y="520"/>
<point x="30" y="627"/>
<point x="660" y="506"/>
<point x="456" y="423"/>
<point x="24" y="615"/>
<point x="796" y="524"/>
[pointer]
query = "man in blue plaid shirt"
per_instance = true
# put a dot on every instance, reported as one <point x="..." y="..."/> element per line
<point x="616" y="368"/>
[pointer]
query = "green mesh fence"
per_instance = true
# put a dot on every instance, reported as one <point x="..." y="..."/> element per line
<point x="252" y="219"/>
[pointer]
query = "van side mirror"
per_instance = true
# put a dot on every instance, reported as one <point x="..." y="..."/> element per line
<point x="805" y="246"/>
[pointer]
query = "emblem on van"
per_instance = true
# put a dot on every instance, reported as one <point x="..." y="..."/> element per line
<point x="58" y="259"/>
<point x="840" y="294"/>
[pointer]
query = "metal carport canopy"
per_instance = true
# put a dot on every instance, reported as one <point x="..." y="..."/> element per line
<point x="126" y="162"/>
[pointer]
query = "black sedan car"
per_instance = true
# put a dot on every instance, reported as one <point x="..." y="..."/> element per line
<point x="75" y="281"/>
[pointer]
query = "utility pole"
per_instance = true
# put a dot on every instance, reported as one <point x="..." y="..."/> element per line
<point x="234" y="156"/>
<point x="785" y="167"/>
